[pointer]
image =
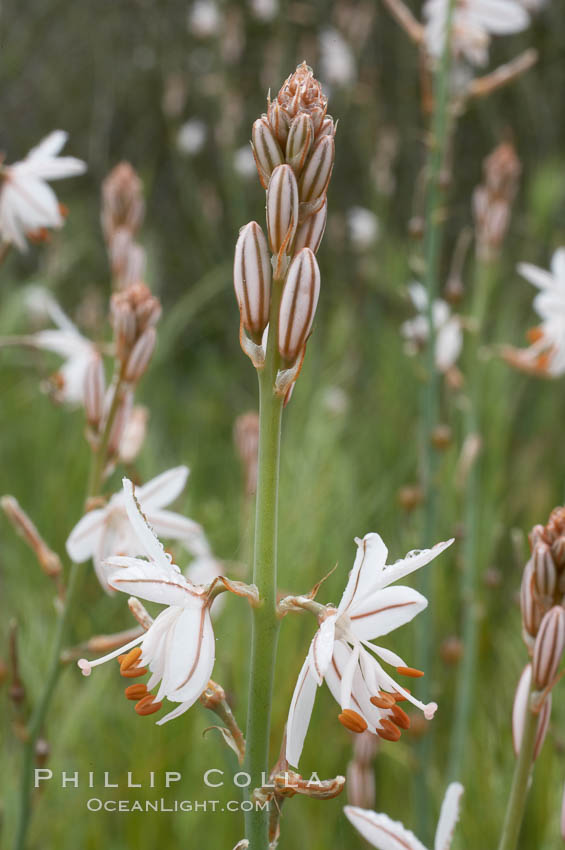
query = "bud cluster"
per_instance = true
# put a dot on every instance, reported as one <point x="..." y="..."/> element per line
<point x="293" y="146"/>
<point x="134" y="314"/>
<point x="493" y="199"/>
<point x="123" y="210"/>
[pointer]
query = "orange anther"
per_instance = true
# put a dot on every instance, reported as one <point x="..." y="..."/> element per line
<point x="400" y="697"/>
<point x="383" y="700"/>
<point x="410" y="671"/>
<point x="147" y="705"/>
<point x="133" y="672"/>
<point x="352" y="721"/>
<point x="130" y="659"/>
<point x="400" y="718"/>
<point x="137" y="691"/>
<point x="388" y="731"/>
<point x="534" y="334"/>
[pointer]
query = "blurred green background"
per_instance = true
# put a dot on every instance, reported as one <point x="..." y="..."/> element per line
<point x="174" y="88"/>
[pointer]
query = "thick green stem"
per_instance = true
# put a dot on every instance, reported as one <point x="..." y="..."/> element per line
<point x="520" y="784"/>
<point x="265" y="622"/>
<point x="438" y="145"/>
<point x="473" y="553"/>
<point x="77" y="570"/>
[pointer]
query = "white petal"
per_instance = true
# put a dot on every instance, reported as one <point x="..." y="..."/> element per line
<point x="37" y="202"/>
<point x="163" y="489"/>
<point x="362" y="687"/>
<point x="152" y="547"/>
<point x="380" y="831"/>
<point x="176" y="712"/>
<point x="347" y="678"/>
<point x="49" y="146"/>
<point x="449" y="342"/>
<point x="413" y="561"/>
<point x="321" y="649"/>
<point x="558" y="265"/>
<point x="173" y="525"/>
<point x="299" y="714"/>
<point x="83" y="539"/>
<point x="538" y="277"/>
<point x="369" y="563"/>
<point x="520" y="706"/>
<point x="388" y="656"/>
<point x="162" y="584"/>
<point x="190" y="657"/>
<point x="419" y="296"/>
<point x="448" y="817"/>
<point x="385" y="610"/>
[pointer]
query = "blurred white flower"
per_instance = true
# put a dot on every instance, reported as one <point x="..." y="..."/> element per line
<point x="363" y="227"/>
<point x="264" y="10"/>
<point x="546" y="354"/>
<point x="191" y="137"/>
<point x="27" y="202"/>
<point x="448" y="332"/>
<point x="243" y="162"/>
<point x="67" y="341"/>
<point x="107" y="531"/>
<point x="179" y="647"/>
<point x="386" y="834"/>
<point x="341" y="652"/>
<point x="474" y="21"/>
<point x="133" y="435"/>
<point x="204" y="18"/>
<point x="336" y="59"/>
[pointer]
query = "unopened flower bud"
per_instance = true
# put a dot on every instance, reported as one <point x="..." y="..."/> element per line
<point x="48" y="560"/>
<point x="266" y="150"/>
<point x="360" y="785"/>
<point x="124" y="324"/>
<point x="94" y="390"/>
<point x="327" y="127"/>
<point x="544" y="569"/>
<point x="252" y="279"/>
<point x="441" y="436"/>
<point x="122" y="200"/>
<point x="519" y="709"/>
<point x="548" y="649"/>
<point x="558" y="551"/>
<point x="134" y="433"/>
<point x="317" y="172"/>
<point x="140" y="356"/>
<point x="531" y="610"/>
<point x="299" y="142"/>
<point x="279" y="121"/>
<point x="282" y="208"/>
<point x="311" y="231"/>
<point x="410" y="497"/>
<point x="537" y="533"/>
<point x="120" y="421"/>
<point x="298" y="304"/>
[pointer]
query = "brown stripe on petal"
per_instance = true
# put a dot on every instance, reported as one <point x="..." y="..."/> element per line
<point x="400" y="841"/>
<point x="380" y="610"/>
<point x="198" y="649"/>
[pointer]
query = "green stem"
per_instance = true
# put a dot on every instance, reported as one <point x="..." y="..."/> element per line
<point x="76" y="572"/>
<point x="473" y="554"/>
<point x="520" y="784"/>
<point x="265" y="622"/>
<point x="438" y="146"/>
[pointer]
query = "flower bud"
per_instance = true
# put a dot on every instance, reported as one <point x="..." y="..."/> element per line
<point x="360" y="785"/>
<point x="120" y="422"/>
<point x="122" y="200"/>
<point x="282" y="208"/>
<point x="140" y="356"/>
<point x="318" y="170"/>
<point x="519" y="709"/>
<point x="94" y="389"/>
<point x="252" y="279"/>
<point x="311" y="231"/>
<point x="548" y="648"/>
<point x="531" y="610"/>
<point x="133" y="435"/>
<point x="298" y="304"/>
<point x="279" y="121"/>
<point x="266" y="149"/>
<point x="558" y="551"/>
<point x="124" y="324"/>
<point x="299" y="142"/>
<point x="544" y="569"/>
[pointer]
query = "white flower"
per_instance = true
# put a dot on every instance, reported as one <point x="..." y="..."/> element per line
<point x="179" y="647"/>
<point x="336" y="58"/>
<point x="204" y="18"/>
<point x="27" y="203"/>
<point x="448" y="333"/>
<point x="264" y="10"/>
<point x="473" y="23"/>
<point x="341" y="653"/>
<point x="386" y="834"/>
<point x="67" y="341"/>
<point x="107" y="531"/>
<point x="546" y="354"/>
<point x="363" y="227"/>
<point x="243" y="162"/>
<point x="191" y="137"/>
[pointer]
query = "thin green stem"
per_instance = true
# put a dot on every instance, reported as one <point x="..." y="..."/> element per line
<point x="54" y="666"/>
<point x="265" y="623"/>
<point x="438" y="146"/>
<point x="520" y="784"/>
<point x="473" y="554"/>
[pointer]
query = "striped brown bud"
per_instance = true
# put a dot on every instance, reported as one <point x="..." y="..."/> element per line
<point x="266" y="149"/>
<point x="279" y="121"/>
<point x="252" y="279"/>
<point x="522" y="706"/>
<point x="141" y="354"/>
<point x="282" y="208"/>
<point x="122" y="200"/>
<point x="317" y="172"/>
<point x="94" y="389"/>
<point x="548" y="648"/>
<point x="298" y="304"/>
<point x="299" y="142"/>
<point x="311" y="231"/>
<point x="544" y="569"/>
<point x="558" y="551"/>
<point x="531" y="610"/>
